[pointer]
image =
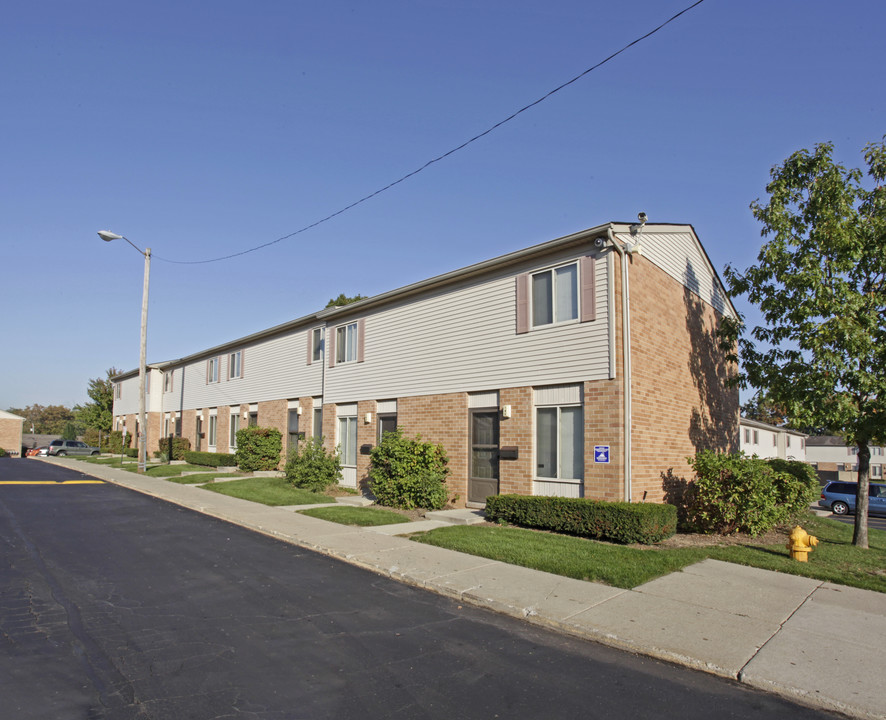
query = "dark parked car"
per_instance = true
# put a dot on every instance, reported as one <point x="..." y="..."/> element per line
<point x="71" y="447"/>
<point x="839" y="498"/>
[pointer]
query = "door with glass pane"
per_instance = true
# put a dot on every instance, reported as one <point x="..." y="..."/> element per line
<point x="483" y="473"/>
<point x="347" y="443"/>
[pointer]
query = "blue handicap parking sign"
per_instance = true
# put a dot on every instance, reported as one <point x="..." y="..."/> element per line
<point x="601" y="453"/>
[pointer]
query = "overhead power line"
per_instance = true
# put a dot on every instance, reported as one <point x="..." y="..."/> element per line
<point x="439" y="157"/>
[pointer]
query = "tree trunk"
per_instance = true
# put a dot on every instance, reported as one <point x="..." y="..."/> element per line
<point x="860" y="536"/>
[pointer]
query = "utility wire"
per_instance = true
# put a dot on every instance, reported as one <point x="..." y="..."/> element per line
<point x="439" y="157"/>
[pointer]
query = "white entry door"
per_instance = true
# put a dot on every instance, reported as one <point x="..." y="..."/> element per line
<point x="347" y="443"/>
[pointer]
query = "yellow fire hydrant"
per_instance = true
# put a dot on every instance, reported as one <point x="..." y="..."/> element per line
<point x="801" y="544"/>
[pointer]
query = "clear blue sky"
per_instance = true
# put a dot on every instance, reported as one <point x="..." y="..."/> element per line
<point x="201" y="129"/>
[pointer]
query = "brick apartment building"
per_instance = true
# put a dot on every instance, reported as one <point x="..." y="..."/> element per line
<point x="581" y="367"/>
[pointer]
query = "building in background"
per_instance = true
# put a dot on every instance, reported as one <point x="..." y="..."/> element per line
<point x="835" y="460"/>
<point x="770" y="441"/>
<point x="11" y="433"/>
<point x="581" y="367"/>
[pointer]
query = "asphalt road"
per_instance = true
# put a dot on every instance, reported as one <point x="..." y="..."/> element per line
<point x="116" y="605"/>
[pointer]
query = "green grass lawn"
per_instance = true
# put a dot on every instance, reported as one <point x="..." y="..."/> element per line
<point x="268" y="491"/>
<point x="362" y="516"/>
<point x="834" y="559"/>
<point x="201" y="478"/>
<point x="167" y="471"/>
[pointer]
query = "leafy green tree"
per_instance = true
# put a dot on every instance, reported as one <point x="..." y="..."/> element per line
<point x="45" y="419"/>
<point x="762" y="409"/>
<point x="820" y="284"/>
<point x="98" y="414"/>
<point x="343" y="299"/>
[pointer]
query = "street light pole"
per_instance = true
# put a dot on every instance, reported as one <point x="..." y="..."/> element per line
<point x="107" y="236"/>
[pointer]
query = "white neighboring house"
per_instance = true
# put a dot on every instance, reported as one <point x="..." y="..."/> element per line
<point x="770" y="441"/>
<point x="835" y="460"/>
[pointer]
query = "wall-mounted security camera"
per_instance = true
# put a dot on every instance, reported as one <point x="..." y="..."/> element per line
<point x="641" y="217"/>
<point x="599" y="242"/>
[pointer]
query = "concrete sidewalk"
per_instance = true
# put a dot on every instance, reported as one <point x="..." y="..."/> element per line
<point x="815" y="642"/>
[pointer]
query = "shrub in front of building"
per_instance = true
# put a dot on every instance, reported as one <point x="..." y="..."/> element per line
<point x="210" y="459"/>
<point x="114" y="442"/>
<point x="735" y="493"/>
<point x="258" y="448"/>
<point x="797" y="486"/>
<point x="311" y="467"/>
<point x="620" y="522"/>
<point x="180" y="445"/>
<point x="408" y="472"/>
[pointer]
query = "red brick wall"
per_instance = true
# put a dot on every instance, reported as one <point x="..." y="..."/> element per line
<point x="681" y="403"/>
<point x="441" y="419"/>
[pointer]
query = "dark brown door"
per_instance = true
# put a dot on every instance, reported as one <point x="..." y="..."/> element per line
<point x="483" y="474"/>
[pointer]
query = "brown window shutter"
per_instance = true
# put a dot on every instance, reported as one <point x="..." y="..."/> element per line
<point x="310" y="346"/>
<point x="207" y="372"/>
<point x="331" y="349"/>
<point x="522" y="303"/>
<point x="361" y="335"/>
<point x="587" y="270"/>
<point x="242" y="362"/>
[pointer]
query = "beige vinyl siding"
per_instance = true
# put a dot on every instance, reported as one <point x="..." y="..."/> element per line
<point x="554" y="488"/>
<point x="680" y="255"/>
<point x="127" y="403"/>
<point x="277" y="369"/>
<point x="464" y="339"/>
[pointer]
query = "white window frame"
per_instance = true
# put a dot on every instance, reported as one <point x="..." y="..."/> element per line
<point x="235" y="365"/>
<point x="212" y="375"/>
<point x="167" y="381"/>
<point x="558" y="475"/>
<point x="317" y="344"/>
<point x="556" y="272"/>
<point x="212" y="435"/>
<point x="347" y="424"/>
<point x="346" y="343"/>
<point x="234" y="426"/>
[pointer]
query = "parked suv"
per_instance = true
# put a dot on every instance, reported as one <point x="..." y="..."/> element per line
<point x="839" y="498"/>
<point x="71" y="447"/>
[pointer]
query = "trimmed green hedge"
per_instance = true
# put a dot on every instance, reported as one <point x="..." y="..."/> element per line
<point x="258" y="448"/>
<point x="210" y="459"/>
<point x="621" y="522"/>
<point x="131" y="452"/>
<point x="180" y="445"/>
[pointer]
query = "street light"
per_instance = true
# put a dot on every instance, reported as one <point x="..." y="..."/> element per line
<point x="107" y="236"/>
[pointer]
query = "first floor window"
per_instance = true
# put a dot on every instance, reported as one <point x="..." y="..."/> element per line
<point x="294" y="434"/>
<point x="346" y="343"/>
<point x="253" y="419"/>
<point x="559" y="435"/>
<point x="213" y="429"/>
<point x="235" y="426"/>
<point x="318" y="422"/>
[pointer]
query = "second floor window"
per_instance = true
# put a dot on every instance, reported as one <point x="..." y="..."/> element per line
<point x="212" y="370"/>
<point x="234" y="364"/>
<point x="167" y="381"/>
<point x="555" y="295"/>
<point x="346" y="343"/>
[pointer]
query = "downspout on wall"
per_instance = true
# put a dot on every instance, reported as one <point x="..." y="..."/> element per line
<point x="626" y="354"/>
